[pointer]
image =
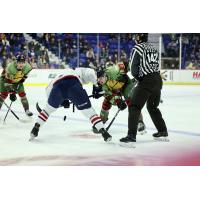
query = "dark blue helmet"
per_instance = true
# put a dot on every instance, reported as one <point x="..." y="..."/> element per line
<point x="100" y="72"/>
<point x="20" y="58"/>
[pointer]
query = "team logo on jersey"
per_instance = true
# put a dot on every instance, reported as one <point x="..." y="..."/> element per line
<point x="83" y="104"/>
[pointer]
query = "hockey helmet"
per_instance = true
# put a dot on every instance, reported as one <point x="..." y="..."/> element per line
<point x="100" y="72"/>
<point x="20" y="58"/>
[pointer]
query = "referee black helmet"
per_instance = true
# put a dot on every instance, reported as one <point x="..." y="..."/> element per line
<point x="141" y="37"/>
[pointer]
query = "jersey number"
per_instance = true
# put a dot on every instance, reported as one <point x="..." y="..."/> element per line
<point x="152" y="57"/>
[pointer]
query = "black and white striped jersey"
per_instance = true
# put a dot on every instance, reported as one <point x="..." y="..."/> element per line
<point x="144" y="60"/>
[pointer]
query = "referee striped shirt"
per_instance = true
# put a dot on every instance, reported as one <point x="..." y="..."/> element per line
<point x="144" y="60"/>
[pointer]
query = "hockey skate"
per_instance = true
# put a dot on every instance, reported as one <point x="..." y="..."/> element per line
<point x="128" y="141"/>
<point x="29" y="113"/>
<point x="161" y="136"/>
<point x="34" y="132"/>
<point x="106" y="136"/>
<point x="94" y="129"/>
<point x="141" y="128"/>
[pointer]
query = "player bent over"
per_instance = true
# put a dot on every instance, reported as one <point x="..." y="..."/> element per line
<point x="117" y="86"/>
<point x="69" y="87"/>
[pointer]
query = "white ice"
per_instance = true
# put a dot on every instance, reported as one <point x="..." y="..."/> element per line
<point x="72" y="142"/>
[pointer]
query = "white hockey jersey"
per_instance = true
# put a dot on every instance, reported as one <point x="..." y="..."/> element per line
<point x="85" y="75"/>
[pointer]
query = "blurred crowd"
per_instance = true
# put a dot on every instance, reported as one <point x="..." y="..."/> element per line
<point x="12" y="44"/>
<point x="89" y="49"/>
<point x="93" y="50"/>
<point x="190" y="51"/>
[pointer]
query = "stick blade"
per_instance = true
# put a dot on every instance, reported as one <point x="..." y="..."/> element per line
<point x="38" y="108"/>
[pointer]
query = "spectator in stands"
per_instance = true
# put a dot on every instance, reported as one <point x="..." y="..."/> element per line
<point x="90" y="54"/>
<point x="109" y="61"/>
<point x="83" y="45"/>
<point x="123" y="55"/>
<point x="192" y="65"/>
<point x="172" y="49"/>
<point x="104" y="52"/>
<point x="33" y="63"/>
<point x="115" y="57"/>
<point x="4" y="62"/>
<point x="46" y="40"/>
<point x="112" y="36"/>
<point x="45" y="55"/>
<point x="40" y="36"/>
<point x="37" y="48"/>
<point x="74" y="44"/>
<point x="44" y="62"/>
<point x="39" y="63"/>
<point x="4" y="41"/>
<point x="129" y="37"/>
<point x="31" y="45"/>
<point x="12" y="40"/>
<point x="18" y="39"/>
<point x="31" y="52"/>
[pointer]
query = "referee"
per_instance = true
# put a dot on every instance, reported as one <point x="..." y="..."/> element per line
<point x="144" y="66"/>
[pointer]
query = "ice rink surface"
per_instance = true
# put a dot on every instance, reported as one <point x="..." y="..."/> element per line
<point x="72" y="143"/>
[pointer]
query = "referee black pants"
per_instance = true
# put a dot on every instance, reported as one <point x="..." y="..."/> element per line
<point x="147" y="91"/>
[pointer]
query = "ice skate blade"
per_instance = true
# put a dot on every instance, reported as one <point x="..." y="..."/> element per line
<point x="109" y="140"/>
<point x="162" y="139"/>
<point x="128" y="144"/>
<point x="95" y="131"/>
<point x="32" y="137"/>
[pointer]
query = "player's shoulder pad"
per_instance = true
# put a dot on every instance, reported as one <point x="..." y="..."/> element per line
<point x="10" y="68"/>
<point x="27" y="68"/>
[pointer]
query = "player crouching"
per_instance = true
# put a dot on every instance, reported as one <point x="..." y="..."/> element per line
<point x="68" y="87"/>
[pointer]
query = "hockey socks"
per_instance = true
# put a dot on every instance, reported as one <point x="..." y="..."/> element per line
<point x="44" y="114"/>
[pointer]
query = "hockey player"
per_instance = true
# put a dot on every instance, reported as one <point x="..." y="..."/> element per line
<point x="11" y="82"/>
<point x="69" y="87"/>
<point x="118" y="89"/>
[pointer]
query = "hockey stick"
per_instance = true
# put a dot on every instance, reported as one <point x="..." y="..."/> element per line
<point x="9" y="108"/>
<point x="73" y="106"/>
<point x="4" y="120"/>
<point x="112" y="120"/>
<point x="38" y="108"/>
<point x="21" y="120"/>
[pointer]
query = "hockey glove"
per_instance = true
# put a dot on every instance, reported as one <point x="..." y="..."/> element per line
<point x="66" y="103"/>
<point x="97" y="92"/>
<point x="13" y="97"/>
<point x="163" y="75"/>
<point x="9" y="87"/>
<point x="23" y="79"/>
<point x="121" y="104"/>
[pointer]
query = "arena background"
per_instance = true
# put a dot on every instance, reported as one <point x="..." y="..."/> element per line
<point x="168" y="16"/>
<point x="179" y="53"/>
